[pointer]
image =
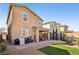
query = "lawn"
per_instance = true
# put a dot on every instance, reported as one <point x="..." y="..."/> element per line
<point x="59" y="50"/>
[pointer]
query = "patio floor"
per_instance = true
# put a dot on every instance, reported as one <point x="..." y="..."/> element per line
<point x="31" y="48"/>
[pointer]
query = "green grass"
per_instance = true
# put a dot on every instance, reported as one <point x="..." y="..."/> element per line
<point x="59" y="50"/>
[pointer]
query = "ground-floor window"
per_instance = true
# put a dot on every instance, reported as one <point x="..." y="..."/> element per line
<point x="25" y="32"/>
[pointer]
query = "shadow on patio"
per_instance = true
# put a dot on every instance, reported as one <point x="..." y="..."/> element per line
<point x="54" y="51"/>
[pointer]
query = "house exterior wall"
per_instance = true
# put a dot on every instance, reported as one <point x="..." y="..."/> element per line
<point x="4" y="36"/>
<point x="17" y="23"/>
<point x="10" y="19"/>
<point x="9" y="25"/>
<point x="46" y="26"/>
<point x="62" y="29"/>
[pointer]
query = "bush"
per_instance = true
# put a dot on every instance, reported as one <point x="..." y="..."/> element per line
<point x="1" y="40"/>
<point x="77" y="41"/>
<point x="69" y="40"/>
<point x="2" y="47"/>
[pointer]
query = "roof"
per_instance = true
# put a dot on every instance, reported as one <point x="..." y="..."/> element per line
<point x="49" y="22"/>
<point x="17" y="5"/>
<point x="1" y="33"/>
<point x="64" y="26"/>
<point x="42" y="29"/>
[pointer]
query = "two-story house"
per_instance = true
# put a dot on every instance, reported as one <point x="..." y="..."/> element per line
<point x="22" y="23"/>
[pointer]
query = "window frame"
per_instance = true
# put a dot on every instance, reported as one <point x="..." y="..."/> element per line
<point x="23" y="16"/>
<point x="25" y="33"/>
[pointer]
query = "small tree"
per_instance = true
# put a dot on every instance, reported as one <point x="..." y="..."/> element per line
<point x="77" y="40"/>
<point x="69" y="40"/>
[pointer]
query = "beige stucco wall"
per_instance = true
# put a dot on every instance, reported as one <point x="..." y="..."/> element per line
<point x="62" y="29"/>
<point x="4" y="36"/>
<point x="46" y="26"/>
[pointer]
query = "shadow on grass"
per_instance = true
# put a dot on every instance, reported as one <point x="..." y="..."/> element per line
<point x="54" y="51"/>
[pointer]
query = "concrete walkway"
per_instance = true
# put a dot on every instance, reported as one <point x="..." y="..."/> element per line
<point x="31" y="48"/>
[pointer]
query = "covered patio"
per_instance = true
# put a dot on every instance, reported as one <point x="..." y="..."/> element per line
<point x="41" y="34"/>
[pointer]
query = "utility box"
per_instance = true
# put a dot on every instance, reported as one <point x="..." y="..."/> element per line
<point x="22" y="41"/>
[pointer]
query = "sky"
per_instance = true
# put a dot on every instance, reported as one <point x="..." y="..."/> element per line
<point x="62" y="13"/>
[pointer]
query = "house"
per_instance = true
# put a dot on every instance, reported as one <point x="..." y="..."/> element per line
<point x="23" y="23"/>
<point x="56" y="29"/>
<point x="3" y="34"/>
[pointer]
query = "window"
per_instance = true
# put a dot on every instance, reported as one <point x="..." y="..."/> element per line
<point x="24" y="16"/>
<point x="25" y="32"/>
<point x="40" y="23"/>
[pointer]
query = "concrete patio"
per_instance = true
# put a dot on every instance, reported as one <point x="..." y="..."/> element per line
<point x="31" y="48"/>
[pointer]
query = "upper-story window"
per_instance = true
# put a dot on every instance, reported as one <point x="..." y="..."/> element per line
<point x="24" y="16"/>
<point x="40" y="23"/>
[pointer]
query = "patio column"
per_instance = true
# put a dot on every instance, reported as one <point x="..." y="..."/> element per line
<point x="37" y="35"/>
<point x="48" y="35"/>
<point x="59" y="35"/>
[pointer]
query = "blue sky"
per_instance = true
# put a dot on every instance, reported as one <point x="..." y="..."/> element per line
<point x="63" y="13"/>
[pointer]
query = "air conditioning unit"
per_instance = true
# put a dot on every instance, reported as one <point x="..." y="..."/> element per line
<point x="22" y="41"/>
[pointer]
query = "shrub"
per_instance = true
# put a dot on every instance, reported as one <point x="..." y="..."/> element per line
<point x="69" y="40"/>
<point x="2" y="47"/>
<point x="1" y="40"/>
<point x="77" y="41"/>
